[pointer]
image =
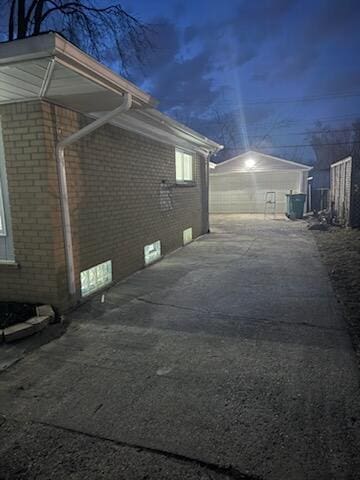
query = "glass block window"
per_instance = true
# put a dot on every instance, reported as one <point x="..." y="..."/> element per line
<point x="184" y="166"/>
<point x="152" y="252"/>
<point x="95" y="278"/>
<point x="187" y="235"/>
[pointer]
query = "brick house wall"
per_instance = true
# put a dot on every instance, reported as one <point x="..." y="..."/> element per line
<point x="114" y="180"/>
<point x="32" y="185"/>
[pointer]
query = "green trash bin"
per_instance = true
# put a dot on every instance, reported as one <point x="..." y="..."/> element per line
<point x="295" y="205"/>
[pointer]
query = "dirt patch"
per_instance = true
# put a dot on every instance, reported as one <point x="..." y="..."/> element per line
<point x="340" y="251"/>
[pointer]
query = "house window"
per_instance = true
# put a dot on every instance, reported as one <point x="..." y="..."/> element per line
<point x="95" y="278"/>
<point x="184" y="167"/>
<point x="187" y="236"/>
<point x="6" y="240"/>
<point x="152" y="252"/>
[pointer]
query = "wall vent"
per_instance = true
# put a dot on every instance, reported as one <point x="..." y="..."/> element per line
<point x="95" y="278"/>
<point x="187" y="236"/>
<point x="152" y="252"/>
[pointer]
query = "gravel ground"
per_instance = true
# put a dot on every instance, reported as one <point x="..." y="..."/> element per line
<point x="340" y="251"/>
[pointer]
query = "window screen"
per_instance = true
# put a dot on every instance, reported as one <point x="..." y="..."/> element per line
<point x="184" y="166"/>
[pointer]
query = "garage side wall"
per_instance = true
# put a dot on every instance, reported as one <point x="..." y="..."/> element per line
<point x="123" y="196"/>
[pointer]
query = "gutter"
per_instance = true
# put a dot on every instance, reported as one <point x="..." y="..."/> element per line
<point x="64" y="196"/>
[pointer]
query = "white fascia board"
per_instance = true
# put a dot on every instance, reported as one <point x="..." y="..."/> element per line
<point x="179" y="127"/>
<point x="252" y="152"/>
<point x="252" y="171"/>
<point x="142" y="128"/>
<point x="339" y="162"/>
<point x="301" y="166"/>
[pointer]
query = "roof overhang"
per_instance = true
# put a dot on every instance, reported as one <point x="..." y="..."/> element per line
<point x="249" y="153"/>
<point x="50" y="68"/>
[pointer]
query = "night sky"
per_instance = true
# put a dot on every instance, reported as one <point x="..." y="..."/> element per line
<point x="269" y="69"/>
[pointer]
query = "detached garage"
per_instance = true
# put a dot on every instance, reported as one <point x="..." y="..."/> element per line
<point x="244" y="183"/>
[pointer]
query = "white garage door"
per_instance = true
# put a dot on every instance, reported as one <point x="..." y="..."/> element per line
<point x="245" y="192"/>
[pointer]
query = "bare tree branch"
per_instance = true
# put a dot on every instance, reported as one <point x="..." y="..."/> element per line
<point x="108" y="32"/>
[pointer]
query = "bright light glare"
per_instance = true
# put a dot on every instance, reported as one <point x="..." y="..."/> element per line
<point x="249" y="162"/>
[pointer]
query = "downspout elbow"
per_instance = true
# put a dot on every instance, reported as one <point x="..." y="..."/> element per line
<point x="64" y="196"/>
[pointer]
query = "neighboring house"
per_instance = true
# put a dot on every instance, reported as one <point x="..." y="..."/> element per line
<point x="244" y="183"/>
<point x="345" y="191"/>
<point x="95" y="182"/>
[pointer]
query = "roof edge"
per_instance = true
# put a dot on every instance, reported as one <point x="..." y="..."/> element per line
<point x="249" y="152"/>
<point x="53" y="45"/>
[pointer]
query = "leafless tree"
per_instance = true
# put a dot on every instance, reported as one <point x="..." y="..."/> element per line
<point x="331" y="144"/>
<point x="107" y="32"/>
<point x="226" y="127"/>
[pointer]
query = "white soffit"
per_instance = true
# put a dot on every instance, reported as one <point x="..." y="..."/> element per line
<point x="22" y="80"/>
<point x="51" y="68"/>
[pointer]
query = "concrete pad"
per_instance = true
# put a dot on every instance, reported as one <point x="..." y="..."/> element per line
<point x="222" y="354"/>
<point x="39" y="323"/>
<point x="18" y="331"/>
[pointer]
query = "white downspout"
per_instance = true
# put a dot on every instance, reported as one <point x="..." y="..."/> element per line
<point x="208" y="188"/>
<point x="64" y="197"/>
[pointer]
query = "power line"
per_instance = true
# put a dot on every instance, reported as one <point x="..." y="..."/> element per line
<point x="286" y="123"/>
<point x="300" y="99"/>
<point x="309" y="98"/>
<point x="312" y="145"/>
<point x="310" y="132"/>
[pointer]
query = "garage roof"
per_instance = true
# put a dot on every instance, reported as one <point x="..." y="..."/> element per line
<point x="252" y="161"/>
<point x="51" y="68"/>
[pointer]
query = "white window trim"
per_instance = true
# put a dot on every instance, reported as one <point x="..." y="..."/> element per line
<point x="182" y="181"/>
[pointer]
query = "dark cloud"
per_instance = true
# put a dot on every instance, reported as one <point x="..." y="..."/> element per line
<point x="331" y="19"/>
<point x="208" y="61"/>
<point x="184" y="84"/>
<point x="165" y="39"/>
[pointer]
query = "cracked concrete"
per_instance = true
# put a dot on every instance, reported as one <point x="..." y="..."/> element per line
<point x="228" y="359"/>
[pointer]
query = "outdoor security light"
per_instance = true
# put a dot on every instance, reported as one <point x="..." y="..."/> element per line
<point x="250" y="162"/>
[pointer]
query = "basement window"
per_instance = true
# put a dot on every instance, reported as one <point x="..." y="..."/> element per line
<point x="187" y="236"/>
<point x="95" y="278"/>
<point x="184" y="167"/>
<point x="152" y="252"/>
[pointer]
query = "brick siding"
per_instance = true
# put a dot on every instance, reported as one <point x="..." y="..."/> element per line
<point x="114" y="182"/>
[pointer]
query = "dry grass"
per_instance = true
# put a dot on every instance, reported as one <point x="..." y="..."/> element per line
<point x="340" y="251"/>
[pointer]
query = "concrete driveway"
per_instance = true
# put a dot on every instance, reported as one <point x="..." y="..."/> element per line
<point x="228" y="359"/>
